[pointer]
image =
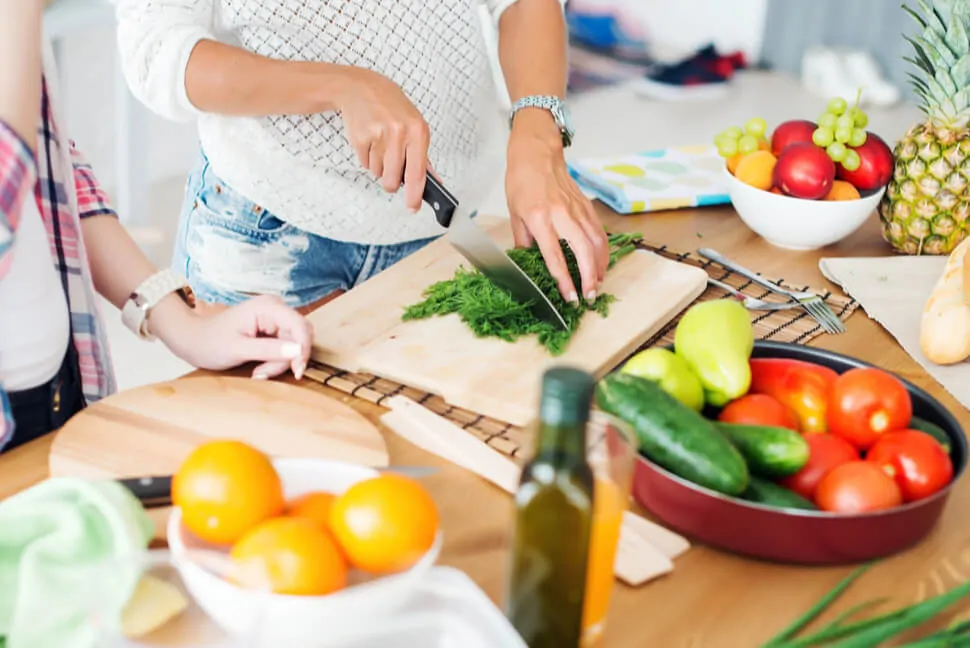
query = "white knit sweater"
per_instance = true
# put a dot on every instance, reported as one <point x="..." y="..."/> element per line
<point x="301" y="167"/>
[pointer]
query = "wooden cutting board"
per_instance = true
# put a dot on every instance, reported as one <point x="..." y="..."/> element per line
<point x="150" y="430"/>
<point x="362" y="331"/>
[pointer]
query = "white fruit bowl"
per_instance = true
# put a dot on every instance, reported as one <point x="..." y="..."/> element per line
<point x="796" y="224"/>
<point x="287" y="620"/>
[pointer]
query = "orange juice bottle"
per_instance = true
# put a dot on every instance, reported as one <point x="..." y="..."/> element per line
<point x="608" y="507"/>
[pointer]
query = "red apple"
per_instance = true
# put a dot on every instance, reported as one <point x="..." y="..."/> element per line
<point x="805" y="171"/>
<point x="791" y="132"/>
<point x="876" y="166"/>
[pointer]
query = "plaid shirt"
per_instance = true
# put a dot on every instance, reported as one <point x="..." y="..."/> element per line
<point x="62" y="183"/>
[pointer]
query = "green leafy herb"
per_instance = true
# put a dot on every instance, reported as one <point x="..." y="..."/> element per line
<point x="802" y="621"/>
<point x="490" y="311"/>
<point x="873" y="632"/>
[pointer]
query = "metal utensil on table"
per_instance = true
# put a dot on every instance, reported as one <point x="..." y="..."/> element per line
<point x="749" y="302"/>
<point x="482" y="252"/>
<point x="813" y="304"/>
<point x="155" y="491"/>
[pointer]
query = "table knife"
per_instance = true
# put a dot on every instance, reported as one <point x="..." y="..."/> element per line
<point x="155" y="491"/>
<point x="484" y="254"/>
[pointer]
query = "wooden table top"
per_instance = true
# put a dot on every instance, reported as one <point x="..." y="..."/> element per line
<point x="712" y="599"/>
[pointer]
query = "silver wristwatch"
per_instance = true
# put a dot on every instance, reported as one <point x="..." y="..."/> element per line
<point x="157" y="287"/>
<point x="556" y="107"/>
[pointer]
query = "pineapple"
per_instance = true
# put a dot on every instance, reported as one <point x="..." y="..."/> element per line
<point x="926" y="207"/>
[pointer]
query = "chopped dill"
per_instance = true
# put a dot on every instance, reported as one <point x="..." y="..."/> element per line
<point x="490" y="311"/>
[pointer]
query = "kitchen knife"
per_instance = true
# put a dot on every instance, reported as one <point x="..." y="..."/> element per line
<point x="156" y="491"/>
<point x="482" y="252"/>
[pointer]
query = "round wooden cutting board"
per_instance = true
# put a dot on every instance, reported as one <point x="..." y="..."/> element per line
<point x="150" y="430"/>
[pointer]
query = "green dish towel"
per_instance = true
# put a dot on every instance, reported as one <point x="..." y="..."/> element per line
<point x="67" y="545"/>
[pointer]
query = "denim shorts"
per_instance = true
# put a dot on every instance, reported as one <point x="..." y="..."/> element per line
<point x="230" y="249"/>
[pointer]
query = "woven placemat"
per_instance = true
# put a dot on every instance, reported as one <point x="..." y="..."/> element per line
<point x="793" y="325"/>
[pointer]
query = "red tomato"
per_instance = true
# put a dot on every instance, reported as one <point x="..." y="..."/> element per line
<point x="759" y="409"/>
<point x="857" y="487"/>
<point x="917" y="462"/>
<point x="866" y="403"/>
<point x="825" y="452"/>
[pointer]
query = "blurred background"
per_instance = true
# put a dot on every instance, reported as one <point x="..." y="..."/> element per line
<point x="645" y="74"/>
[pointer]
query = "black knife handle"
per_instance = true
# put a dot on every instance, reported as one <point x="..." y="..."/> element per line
<point x="440" y="200"/>
<point x="151" y="491"/>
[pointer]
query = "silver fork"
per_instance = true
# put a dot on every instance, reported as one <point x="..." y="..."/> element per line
<point x="812" y="303"/>
<point x="749" y="302"/>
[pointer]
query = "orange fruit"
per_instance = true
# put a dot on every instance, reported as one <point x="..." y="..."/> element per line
<point x="290" y="556"/>
<point x="733" y="161"/>
<point x="756" y="169"/>
<point x="384" y="524"/>
<point x="842" y="190"/>
<point x="313" y="506"/>
<point x="764" y="144"/>
<point x="224" y="488"/>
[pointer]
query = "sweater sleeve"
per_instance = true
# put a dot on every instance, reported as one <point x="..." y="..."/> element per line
<point x="155" y="39"/>
<point x="497" y="7"/>
<point x="18" y="175"/>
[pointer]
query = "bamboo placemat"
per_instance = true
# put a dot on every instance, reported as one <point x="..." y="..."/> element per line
<point x="794" y="326"/>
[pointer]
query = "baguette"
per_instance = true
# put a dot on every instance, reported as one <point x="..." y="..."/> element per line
<point x="945" y="327"/>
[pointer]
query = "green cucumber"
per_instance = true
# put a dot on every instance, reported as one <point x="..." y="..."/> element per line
<point x="934" y="430"/>
<point x="770" y="451"/>
<point x="673" y="435"/>
<point x="768" y="493"/>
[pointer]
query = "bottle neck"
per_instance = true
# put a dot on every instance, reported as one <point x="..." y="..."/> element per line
<point x="562" y="439"/>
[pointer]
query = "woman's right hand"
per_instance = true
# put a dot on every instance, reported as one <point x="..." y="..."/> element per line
<point x="388" y="133"/>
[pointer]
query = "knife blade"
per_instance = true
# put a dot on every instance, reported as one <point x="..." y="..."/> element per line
<point x="155" y="491"/>
<point x="484" y="254"/>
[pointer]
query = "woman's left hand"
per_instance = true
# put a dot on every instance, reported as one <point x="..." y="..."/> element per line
<point x="262" y="329"/>
<point x="545" y="206"/>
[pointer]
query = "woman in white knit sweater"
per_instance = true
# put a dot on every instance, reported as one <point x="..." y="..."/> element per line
<point x="311" y="112"/>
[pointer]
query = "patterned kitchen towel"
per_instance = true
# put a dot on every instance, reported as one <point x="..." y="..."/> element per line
<point x="672" y="178"/>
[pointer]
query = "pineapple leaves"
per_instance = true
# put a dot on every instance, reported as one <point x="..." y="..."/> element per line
<point x="961" y="100"/>
<point x="945" y="82"/>
<point x="918" y="18"/>
<point x="957" y="38"/>
<point x="937" y="90"/>
<point x="960" y="72"/>
<point x="937" y="50"/>
<point x="915" y="62"/>
<point x="918" y="82"/>
<point x="936" y="18"/>
<point x="922" y="59"/>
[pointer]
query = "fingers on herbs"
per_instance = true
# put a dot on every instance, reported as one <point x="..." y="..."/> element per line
<point x="547" y="238"/>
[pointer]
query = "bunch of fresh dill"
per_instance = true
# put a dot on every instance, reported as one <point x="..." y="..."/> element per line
<point x="490" y="311"/>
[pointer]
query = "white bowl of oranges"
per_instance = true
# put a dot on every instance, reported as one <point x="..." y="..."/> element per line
<point x="313" y="549"/>
<point x="807" y="184"/>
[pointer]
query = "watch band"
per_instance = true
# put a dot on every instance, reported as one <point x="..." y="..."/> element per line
<point x="157" y="287"/>
<point x="555" y="106"/>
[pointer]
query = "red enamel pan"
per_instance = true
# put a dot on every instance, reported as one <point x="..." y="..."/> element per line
<point x="790" y="536"/>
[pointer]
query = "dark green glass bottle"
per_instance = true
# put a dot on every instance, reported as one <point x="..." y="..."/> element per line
<point x="553" y="514"/>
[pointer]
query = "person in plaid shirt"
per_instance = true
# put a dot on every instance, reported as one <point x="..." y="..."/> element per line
<point x="60" y="241"/>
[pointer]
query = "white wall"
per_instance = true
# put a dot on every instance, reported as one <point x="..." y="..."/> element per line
<point x="88" y="86"/>
<point x="674" y="26"/>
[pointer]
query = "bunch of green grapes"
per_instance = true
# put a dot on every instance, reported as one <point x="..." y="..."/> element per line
<point x="733" y="140"/>
<point x="839" y="128"/>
